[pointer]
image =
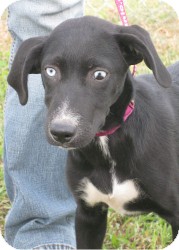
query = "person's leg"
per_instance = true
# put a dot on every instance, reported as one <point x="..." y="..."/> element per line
<point x="42" y="212"/>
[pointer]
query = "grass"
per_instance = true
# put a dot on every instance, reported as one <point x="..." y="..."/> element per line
<point x="145" y="231"/>
<point x="141" y="232"/>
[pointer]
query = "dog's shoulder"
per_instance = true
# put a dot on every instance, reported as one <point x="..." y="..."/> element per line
<point x="174" y="72"/>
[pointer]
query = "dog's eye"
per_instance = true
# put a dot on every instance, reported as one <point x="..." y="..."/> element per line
<point x="50" y="71"/>
<point x="100" y="75"/>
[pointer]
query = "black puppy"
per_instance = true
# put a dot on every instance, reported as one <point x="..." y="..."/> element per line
<point x="132" y="165"/>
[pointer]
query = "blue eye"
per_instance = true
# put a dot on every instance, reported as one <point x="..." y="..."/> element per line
<point x="99" y="75"/>
<point x="50" y="71"/>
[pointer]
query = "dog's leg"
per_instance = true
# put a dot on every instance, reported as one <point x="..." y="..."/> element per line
<point x="175" y="230"/>
<point x="90" y="226"/>
<point x="174" y="222"/>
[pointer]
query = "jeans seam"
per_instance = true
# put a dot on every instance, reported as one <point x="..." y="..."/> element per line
<point x="12" y="54"/>
<point x="54" y="245"/>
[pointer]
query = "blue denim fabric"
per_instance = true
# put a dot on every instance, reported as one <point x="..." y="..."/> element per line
<point x="42" y="213"/>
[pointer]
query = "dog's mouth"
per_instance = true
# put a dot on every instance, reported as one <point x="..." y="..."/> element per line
<point x="74" y="143"/>
<point x="54" y="140"/>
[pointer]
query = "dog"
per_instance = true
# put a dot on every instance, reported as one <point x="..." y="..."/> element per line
<point x="121" y="131"/>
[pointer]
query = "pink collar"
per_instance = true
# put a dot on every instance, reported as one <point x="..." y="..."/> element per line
<point x="128" y="112"/>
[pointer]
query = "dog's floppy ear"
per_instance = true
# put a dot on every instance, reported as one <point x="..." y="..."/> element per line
<point x="27" y="61"/>
<point x="136" y="45"/>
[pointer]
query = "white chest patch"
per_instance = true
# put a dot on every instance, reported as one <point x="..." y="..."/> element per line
<point x="121" y="194"/>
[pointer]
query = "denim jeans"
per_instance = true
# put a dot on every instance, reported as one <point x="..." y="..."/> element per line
<point x="42" y="213"/>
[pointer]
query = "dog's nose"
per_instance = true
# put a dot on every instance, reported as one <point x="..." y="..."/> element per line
<point x="62" y="132"/>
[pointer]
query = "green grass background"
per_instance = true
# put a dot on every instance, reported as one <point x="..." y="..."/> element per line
<point x="145" y="231"/>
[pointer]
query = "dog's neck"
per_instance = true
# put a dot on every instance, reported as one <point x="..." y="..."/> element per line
<point x="120" y="110"/>
<point x="128" y="112"/>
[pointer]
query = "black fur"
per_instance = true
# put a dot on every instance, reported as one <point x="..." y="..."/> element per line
<point x="145" y="148"/>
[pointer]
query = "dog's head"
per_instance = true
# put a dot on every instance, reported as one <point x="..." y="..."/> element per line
<point x="84" y="64"/>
